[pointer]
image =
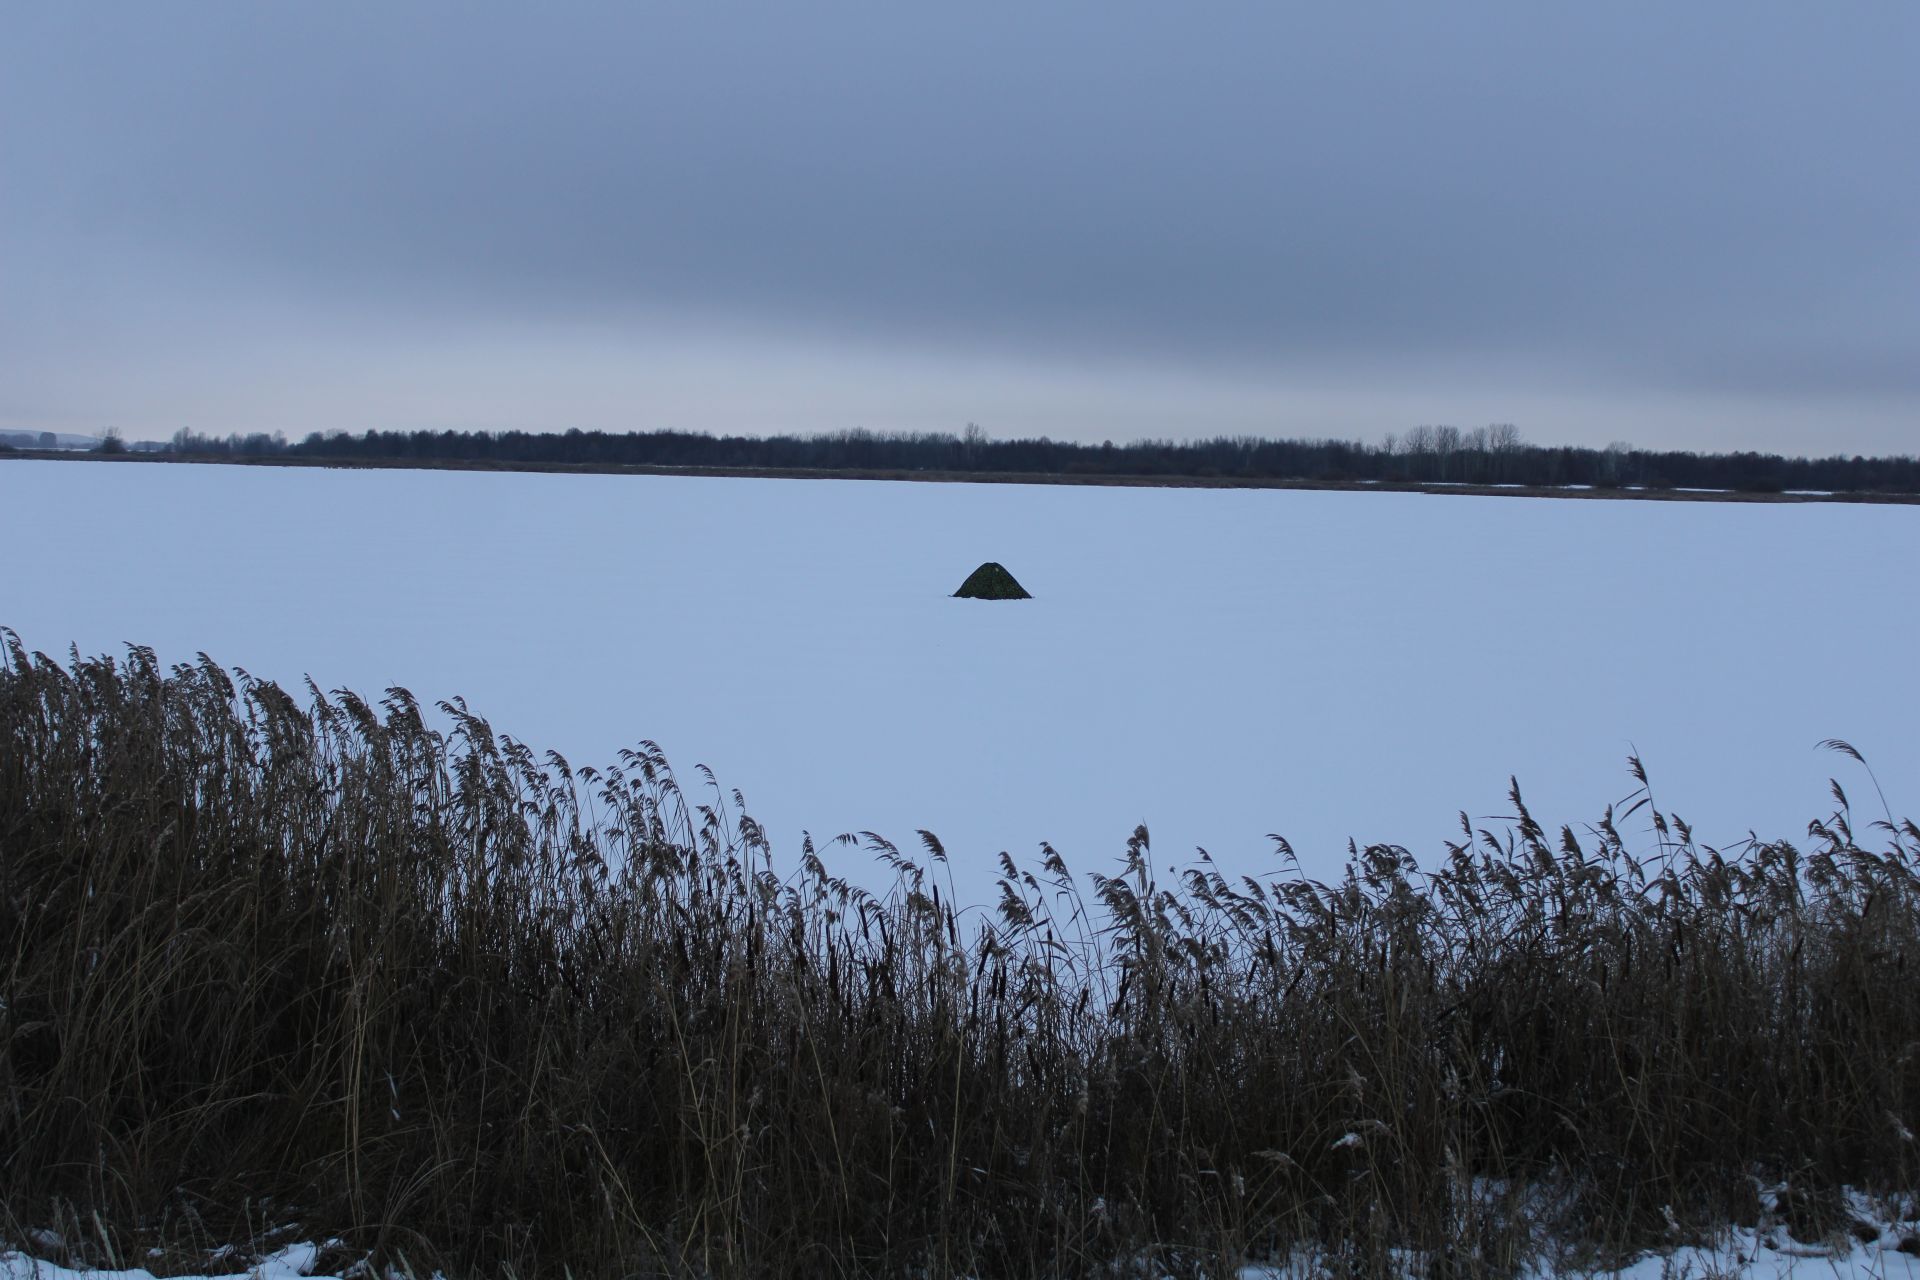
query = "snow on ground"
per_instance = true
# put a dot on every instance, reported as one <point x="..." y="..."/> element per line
<point x="1217" y="664"/>
<point x="1746" y="1253"/>
<point x="287" y="1264"/>
<point x="1741" y="1254"/>
<point x="1871" y="1239"/>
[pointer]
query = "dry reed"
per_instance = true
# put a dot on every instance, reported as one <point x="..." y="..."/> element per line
<point x="273" y="962"/>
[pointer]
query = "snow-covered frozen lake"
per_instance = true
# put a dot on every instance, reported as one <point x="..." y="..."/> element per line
<point x="1216" y="664"/>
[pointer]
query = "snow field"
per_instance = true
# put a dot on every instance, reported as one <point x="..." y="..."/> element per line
<point x="1219" y="665"/>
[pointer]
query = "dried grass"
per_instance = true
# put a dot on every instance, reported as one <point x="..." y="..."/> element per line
<point x="269" y="960"/>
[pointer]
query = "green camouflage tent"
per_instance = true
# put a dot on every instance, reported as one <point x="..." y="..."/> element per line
<point x="991" y="582"/>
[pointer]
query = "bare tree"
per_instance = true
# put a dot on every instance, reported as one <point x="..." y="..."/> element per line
<point x="970" y="441"/>
<point x="1446" y="443"/>
<point x="1613" y="462"/>
<point x="1503" y="447"/>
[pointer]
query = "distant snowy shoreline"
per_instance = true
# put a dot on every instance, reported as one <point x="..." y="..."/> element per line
<point x="148" y="452"/>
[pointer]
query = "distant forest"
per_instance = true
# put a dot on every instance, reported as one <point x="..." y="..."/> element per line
<point x="1491" y="455"/>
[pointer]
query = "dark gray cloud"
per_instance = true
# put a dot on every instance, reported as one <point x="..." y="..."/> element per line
<point x="1707" y="203"/>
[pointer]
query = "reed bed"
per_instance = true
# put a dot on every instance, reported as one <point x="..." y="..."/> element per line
<point x="391" y="976"/>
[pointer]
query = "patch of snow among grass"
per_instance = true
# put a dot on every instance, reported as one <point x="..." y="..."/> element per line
<point x="1765" y="1252"/>
<point x="1741" y="1255"/>
<point x="1747" y="1253"/>
<point x="1877" y="1241"/>
<point x="291" y="1263"/>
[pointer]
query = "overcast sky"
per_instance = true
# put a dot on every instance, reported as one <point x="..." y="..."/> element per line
<point x="1692" y="225"/>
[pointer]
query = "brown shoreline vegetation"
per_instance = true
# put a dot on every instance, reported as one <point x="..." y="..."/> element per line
<point x="931" y="476"/>
<point x="275" y="959"/>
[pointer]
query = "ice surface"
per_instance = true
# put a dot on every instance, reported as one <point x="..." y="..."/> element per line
<point x="1215" y="664"/>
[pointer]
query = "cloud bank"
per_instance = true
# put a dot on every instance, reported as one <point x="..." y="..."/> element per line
<point x="1689" y="228"/>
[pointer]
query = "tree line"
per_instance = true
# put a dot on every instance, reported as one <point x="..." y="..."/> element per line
<point x="1491" y="455"/>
